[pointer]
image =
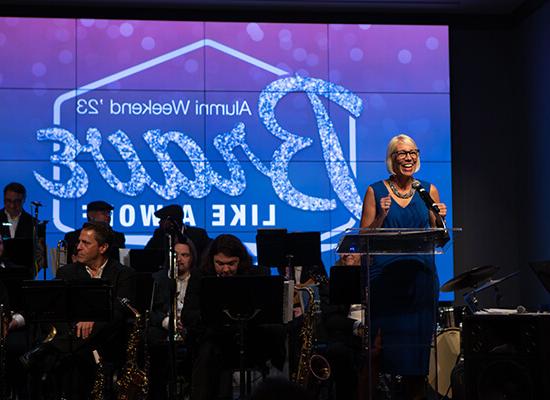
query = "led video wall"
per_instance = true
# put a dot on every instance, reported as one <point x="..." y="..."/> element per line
<point x="246" y="125"/>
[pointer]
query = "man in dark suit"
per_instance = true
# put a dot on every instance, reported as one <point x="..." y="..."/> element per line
<point x="15" y="222"/>
<point x="215" y="347"/>
<point x="186" y="258"/>
<point x="96" y="211"/>
<point x="76" y="367"/>
<point x="171" y="219"/>
<point x="11" y="277"/>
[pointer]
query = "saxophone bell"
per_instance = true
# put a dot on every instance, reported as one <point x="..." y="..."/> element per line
<point x="313" y="368"/>
<point x="319" y="367"/>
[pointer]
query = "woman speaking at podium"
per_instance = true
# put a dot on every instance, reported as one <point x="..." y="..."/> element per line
<point x="403" y="289"/>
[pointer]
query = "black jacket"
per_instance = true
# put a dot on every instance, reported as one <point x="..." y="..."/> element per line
<point x="107" y="337"/>
<point x="24" y="227"/>
<point x="198" y="236"/>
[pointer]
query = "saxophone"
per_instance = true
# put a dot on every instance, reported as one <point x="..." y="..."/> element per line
<point x="3" y="335"/>
<point x="133" y="383"/>
<point x="98" y="390"/>
<point x="310" y="364"/>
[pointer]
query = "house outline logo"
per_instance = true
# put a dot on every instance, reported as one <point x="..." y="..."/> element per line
<point x="138" y="239"/>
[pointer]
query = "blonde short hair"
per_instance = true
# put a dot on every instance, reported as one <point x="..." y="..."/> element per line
<point x="392" y="145"/>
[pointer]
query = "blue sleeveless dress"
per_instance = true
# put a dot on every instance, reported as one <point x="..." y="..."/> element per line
<point x="404" y="290"/>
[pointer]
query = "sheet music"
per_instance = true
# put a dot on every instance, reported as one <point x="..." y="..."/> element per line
<point x="288" y="301"/>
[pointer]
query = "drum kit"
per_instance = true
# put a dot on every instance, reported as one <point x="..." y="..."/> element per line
<point x="446" y="349"/>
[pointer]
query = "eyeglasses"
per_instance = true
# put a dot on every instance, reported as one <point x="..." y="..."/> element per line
<point x="402" y="154"/>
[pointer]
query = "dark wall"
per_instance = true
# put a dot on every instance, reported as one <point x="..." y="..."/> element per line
<point x="535" y="202"/>
<point x="500" y="81"/>
<point x="484" y="99"/>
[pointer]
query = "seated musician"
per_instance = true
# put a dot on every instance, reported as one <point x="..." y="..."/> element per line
<point x="212" y="349"/>
<point x="186" y="260"/>
<point x="72" y="349"/>
<point x="18" y="224"/>
<point x="345" y="329"/>
<point x="15" y="332"/>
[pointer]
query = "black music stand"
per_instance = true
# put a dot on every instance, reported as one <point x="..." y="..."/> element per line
<point x="20" y="252"/>
<point x="388" y="242"/>
<point x="13" y="278"/>
<point x="277" y="248"/>
<point x="59" y="301"/>
<point x="67" y="301"/>
<point x="242" y="301"/>
<point x="146" y="260"/>
<point x="345" y="285"/>
<point x="271" y="247"/>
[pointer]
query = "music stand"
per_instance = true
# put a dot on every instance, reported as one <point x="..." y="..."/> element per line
<point x="345" y="285"/>
<point x="146" y="260"/>
<point x="282" y="249"/>
<point x="20" y="252"/>
<point x="242" y="301"/>
<point x="271" y="246"/>
<point x="13" y="278"/>
<point x="67" y="301"/>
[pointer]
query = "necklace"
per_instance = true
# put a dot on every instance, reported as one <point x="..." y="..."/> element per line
<point x="395" y="191"/>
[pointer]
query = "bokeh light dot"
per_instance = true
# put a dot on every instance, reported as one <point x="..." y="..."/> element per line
<point x="255" y="32"/>
<point x="148" y="43"/>
<point x="299" y="54"/>
<point x="285" y="35"/>
<point x="432" y="43"/>
<point x="39" y="69"/>
<point x="356" y="54"/>
<point x="126" y="29"/>
<point x="404" y="56"/>
<point x="191" y="66"/>
<point x="65" y="56"/>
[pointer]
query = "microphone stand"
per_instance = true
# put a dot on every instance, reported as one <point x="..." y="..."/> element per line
<point x="172" y="273"/>
<point x="35" y="241"/>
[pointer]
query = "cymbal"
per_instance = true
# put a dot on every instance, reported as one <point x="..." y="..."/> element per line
<point x="469" y="279"/>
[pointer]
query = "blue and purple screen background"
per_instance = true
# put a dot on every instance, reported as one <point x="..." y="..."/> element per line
<point x="300" y="91"/>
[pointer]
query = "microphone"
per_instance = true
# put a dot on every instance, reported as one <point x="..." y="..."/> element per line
<point x="430" y="203"/>
<point x="36" y="203"/>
